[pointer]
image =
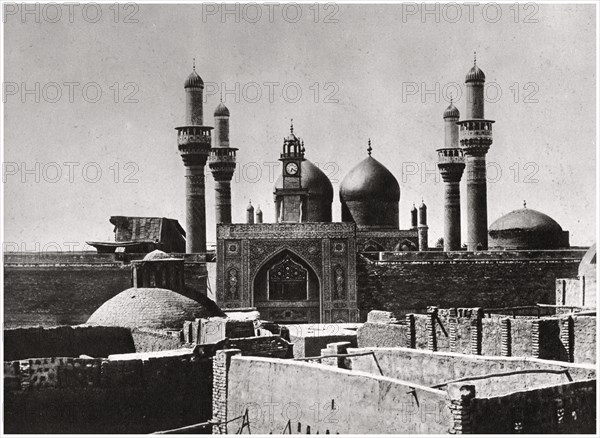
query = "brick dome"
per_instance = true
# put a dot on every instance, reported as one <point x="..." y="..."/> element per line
<point x="152" y="307"/>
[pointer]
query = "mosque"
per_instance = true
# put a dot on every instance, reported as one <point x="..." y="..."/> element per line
<point x="302" y="267"/>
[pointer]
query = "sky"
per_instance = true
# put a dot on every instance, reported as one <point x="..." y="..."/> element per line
<point x="91" y="97"/>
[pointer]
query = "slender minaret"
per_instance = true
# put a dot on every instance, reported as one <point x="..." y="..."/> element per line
<point x="475" y="141"/>
<point x="222" y="165"/>
<point x="414" y="221"/>
<point x="194" y="141"/>
<point x="451" y="164"/>
<point x="258" y="216"/>
<point x="423" y="228"/>
<point x="250" y="213"/>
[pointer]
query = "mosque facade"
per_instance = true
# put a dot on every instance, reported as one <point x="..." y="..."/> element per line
<point x="301" y="268"/>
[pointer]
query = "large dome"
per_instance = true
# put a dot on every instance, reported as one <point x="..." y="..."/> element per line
<point x="527" y="229"/>
<point x="369" y="179"/>
<point x="369" y="194"/>
<point x="152" y="307"/>
<point x="313" y="179"/>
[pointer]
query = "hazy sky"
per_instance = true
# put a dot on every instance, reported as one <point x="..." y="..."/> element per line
<point x="364" y="71"/>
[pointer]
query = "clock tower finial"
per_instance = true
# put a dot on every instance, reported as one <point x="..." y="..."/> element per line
<point x="291" y="198"/>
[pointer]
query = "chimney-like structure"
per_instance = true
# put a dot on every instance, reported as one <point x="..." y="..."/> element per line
<point x="194" y="140"/>
<point x="414" y="221"/>
<point x="222" y="162"/>
<point x="451" y="165"/>
<point x="249" y="213"/>
<point x="475" y="140"/>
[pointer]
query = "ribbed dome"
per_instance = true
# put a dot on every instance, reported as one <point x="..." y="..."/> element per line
<point x="194" y="80"/>
<point x="451" y="112"/>
<point x="475" y="75"/>
<point x="369" y="180"/>
<point x="313" y="179"/>
<point x="221" y="110"/>
<point x="151" y="307"/>
<point x="526" y="219"/>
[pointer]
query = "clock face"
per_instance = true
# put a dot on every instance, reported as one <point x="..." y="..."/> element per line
<point x="291" y="168"/>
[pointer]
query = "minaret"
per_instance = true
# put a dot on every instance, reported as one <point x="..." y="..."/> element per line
<point x="451" y="164"/>
<point x="250" y="213"/>
<point x="222" y="165"/>
<point x="423" y="228"/>
<point x="194" y="141"/>
<point x="258" y="216"/>
<point x="414" y="221"/>
<point x="475" y="141"/>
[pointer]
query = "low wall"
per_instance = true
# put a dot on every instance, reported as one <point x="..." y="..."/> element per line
<point x="322" y="399"/>
<point x="567" y="337"/>
<point x="66" y="341"/>
<point x="67" y="395"/>
<point x="427" y="368"/>
<point x="567" y="408"/>
<point x="155" y="340"/>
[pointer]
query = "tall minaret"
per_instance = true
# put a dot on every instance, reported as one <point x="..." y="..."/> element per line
<point x="451" y="164"/>
<point x="222" y="165"/>
<point x="423" y="228"/>
<point x="194" y="141"/>
<point x="475" y="141"/>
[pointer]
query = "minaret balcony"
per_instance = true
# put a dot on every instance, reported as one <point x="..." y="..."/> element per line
<point x="450" y="155"/>
<point x="222" y="155"/>
<point x="193" y="134"/>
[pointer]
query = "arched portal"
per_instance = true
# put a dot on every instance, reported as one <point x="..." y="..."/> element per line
<point x="286" y="289"/>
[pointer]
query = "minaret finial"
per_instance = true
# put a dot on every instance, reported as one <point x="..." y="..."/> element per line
<point x="194" y="64"/>
<point x="474" y="58"/>
<point x="292" y="126"/>
<point x="221" y="96"/>
<point x="524" y="204"/>
<point x="369" y="149"/>
<point x="302" y="148"/>
<point x="451" y="98"/>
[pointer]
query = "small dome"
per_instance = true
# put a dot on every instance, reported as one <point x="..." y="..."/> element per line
<point x="157" y="254"/>
<point x="526" y="219"/>
<point x="451" y="112"/>
<point x="369" y="180"/>
<point x="313" y="179"/>
<point x="152" y="307"/>
<point x="194" y="81"/>
<point x="221" y="110"/>
<point x="475" y="75"/>
<point x="527" y="229"/>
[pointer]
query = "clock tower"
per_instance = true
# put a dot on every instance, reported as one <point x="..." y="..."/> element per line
<point x="291" y="200"/>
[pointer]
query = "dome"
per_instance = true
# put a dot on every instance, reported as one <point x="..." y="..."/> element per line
<point x="526" y="219"/>
<point x="451" y="112"/>
<point x="527" y="229"/>
<point x="194" y="80"/>
<point x="152" y="307"/>
<point x="475" y="75"/>
<point x="368" y="180"/>
<point x="221" y="110"/>
<point x="313" y="179"/>
<point x="157" y="254"/>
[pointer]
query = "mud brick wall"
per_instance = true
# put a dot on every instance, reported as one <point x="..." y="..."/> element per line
<point x="406" y="285"/>
<point x="66" y="341"/>
<point x="383" y="335"/>
<point x="67" y="395"/>
<point x="263" y="346"/>
<point x="151" y="340"/>
<point x="568" y="408"/>
<point x="584" y="339"/>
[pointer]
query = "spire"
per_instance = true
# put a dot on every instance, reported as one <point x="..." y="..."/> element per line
<point x="291" y="126"/>
<point x="221" y="96"/>
<point x="524" y="204"/>
<point x="302" y="148"/>
<point x="474" y="58"/>
<point x="194" y="64"/>
<point x="369" y="149"/>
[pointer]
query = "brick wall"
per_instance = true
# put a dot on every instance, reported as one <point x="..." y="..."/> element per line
<point x="408" y="284"/>
<point x="67" y="395"/>
<point x="66" y="341"/>
<point x="570" y="338"/>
